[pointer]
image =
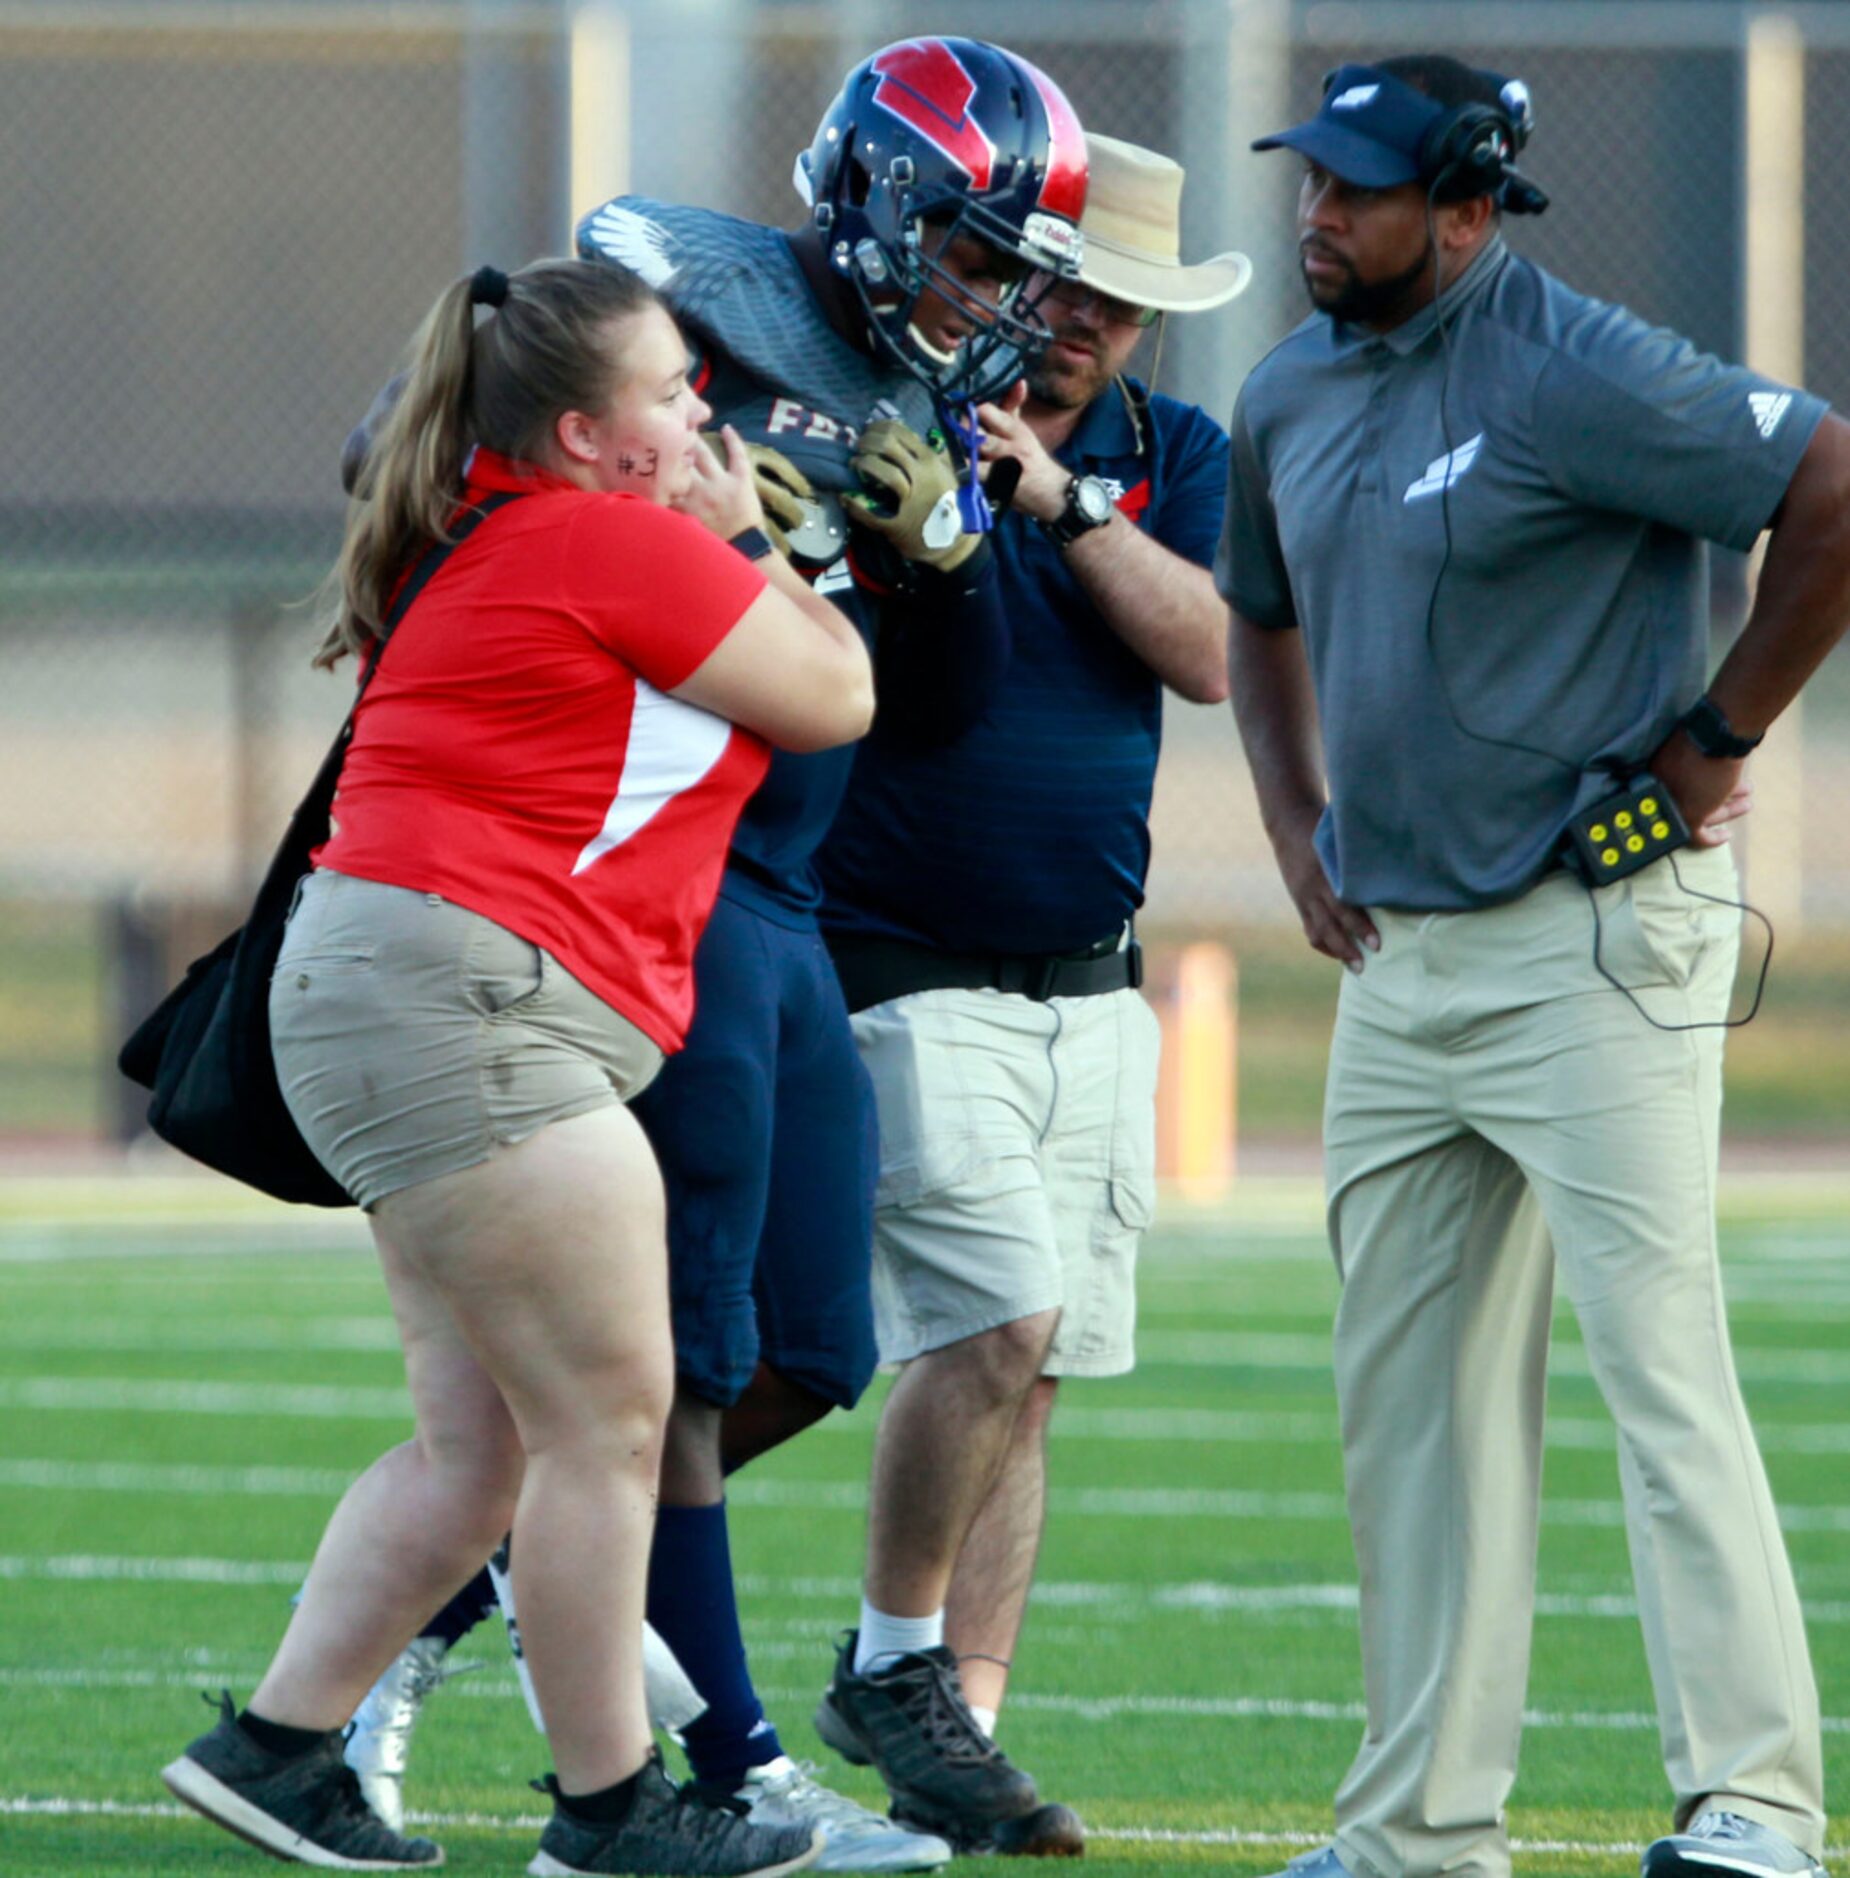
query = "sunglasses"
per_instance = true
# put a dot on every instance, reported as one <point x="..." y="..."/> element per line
<point x="1078" y="296"/>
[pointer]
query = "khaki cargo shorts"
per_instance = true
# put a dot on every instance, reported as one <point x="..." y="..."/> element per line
<point x="413" y="1036"/>
<point x="1017" y="1168"/>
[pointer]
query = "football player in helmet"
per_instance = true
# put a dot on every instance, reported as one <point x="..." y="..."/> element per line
<point x="932" y="150"/>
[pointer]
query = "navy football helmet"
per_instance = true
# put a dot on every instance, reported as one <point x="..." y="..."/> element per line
<point x="957" y="136"/>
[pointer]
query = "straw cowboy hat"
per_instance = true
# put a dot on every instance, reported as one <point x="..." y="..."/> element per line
<point x="1132" y="225"/>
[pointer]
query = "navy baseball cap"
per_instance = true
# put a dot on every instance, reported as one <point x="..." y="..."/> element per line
<point x="1369" y="129"/>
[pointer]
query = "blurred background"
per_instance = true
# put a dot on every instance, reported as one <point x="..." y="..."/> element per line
<point x="220" y="223"/>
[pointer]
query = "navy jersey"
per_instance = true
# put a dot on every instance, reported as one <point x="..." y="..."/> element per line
<point x="1030" y="833"/>
<point x="770" y="364"/>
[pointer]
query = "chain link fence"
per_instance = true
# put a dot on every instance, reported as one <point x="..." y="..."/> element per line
<point x="224" y="220"/>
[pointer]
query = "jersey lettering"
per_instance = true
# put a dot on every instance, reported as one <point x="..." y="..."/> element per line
<point x="787" y="414"/>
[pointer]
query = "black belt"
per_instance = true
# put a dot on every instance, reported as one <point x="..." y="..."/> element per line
<point x="872" y="970"/>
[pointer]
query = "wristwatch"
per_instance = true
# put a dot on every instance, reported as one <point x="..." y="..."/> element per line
<point x="1711" y="733"/>
<point x="1088" y="506"/>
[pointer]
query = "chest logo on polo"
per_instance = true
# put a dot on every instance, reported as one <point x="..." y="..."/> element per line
<point x="1443" y="471"/>
<point x="1769" y="409"/>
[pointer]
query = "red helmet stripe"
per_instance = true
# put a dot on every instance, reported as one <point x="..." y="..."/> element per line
<point x="924" y="85"/>
<point x="1064" y="190"/>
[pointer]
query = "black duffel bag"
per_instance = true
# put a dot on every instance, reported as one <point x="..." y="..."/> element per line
<point x="205" y="1048"/>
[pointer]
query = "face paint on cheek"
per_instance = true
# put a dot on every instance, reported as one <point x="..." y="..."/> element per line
<point x="638" y="465"/>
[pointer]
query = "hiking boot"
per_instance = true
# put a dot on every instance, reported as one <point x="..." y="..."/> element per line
<point x="1726" y="1842"/>
<point x="909" y="1720"/>
<point x="784" y="1792"/>
<point x="305" y="1807"/>
<point x="379" y="1736"/>
<point x="1050" y="1831"/>
<point x="668" y="1833"/>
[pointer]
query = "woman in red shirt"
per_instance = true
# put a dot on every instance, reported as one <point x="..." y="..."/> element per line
<point x="493" y="954"/>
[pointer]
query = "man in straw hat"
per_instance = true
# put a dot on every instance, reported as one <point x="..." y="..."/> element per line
<point x="979" y="905"/>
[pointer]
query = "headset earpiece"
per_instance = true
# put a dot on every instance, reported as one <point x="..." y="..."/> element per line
<point x="1468" y="148"/>
<point x="1471" y="151"/>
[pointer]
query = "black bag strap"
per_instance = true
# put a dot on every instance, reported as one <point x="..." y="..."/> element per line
<point x="308" y="826"/>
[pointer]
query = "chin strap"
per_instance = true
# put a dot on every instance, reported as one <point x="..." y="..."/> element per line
<point x="973" y="506"/>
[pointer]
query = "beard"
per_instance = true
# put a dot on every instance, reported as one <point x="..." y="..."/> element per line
<point x="1065" y="384"/>
<point x="1373" y="302"/>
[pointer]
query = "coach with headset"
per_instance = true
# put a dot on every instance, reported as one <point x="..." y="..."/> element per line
<point x="1465" y="552"/>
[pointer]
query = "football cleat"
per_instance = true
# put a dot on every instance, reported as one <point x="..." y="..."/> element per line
<point x="379" y="1736"/>
<point x="784" y="1792"/>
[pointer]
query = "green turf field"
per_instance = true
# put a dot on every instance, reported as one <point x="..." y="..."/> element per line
<point x="187" y="1378"/>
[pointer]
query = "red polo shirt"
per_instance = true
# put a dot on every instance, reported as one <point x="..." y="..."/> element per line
<point x="518" y="752"/>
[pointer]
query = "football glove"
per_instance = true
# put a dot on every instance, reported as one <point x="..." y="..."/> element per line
<point x="783" y="489"/>
<point x="908" y="495"/>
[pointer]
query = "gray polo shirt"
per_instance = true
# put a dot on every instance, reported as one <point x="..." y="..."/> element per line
<point x="1584" y="461"/>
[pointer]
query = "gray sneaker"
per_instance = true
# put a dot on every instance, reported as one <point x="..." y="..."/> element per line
<point x="306" y="1807"/>
<point x="1726" y="1842"/>
<point x="1322" y="1863"/>
<point x="379" y="1736"/>
<point x="668" y="1834"/>
<point x="911" y="1722"/>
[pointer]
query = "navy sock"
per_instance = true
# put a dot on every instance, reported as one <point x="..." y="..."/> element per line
<point x="692" y="1604"/>
<point x="475" y="1601"/>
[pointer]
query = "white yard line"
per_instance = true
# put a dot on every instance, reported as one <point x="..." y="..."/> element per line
<point x="1089" y="1708"/>
<point x="818" y="1495"/>
<point x="1213" y="1349"/>
<point x="535" y="1822"/>
<point x="187" y="1335"/>
<point x="1126" y="1600"/>
<point x="355" y="1402"/>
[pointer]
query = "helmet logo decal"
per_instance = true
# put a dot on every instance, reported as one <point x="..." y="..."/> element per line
<point x="1064" y="190"/>
<point x="924" y="85"/>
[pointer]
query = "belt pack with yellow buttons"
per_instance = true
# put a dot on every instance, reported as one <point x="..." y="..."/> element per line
<point x="1625" y="831"/>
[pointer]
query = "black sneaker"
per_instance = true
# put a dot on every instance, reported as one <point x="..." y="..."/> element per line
<point x="669" y="1833"/>
<point x="911" y="1722"/>
<point x="305" y="1807"/>
<point x="1050" y="1831"/>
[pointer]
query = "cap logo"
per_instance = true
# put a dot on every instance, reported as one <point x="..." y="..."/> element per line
<point x="924" y="85"/>
<point x="1354" y="98"/>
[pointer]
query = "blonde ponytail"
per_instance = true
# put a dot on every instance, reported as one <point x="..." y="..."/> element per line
<point x="551" y="345"/>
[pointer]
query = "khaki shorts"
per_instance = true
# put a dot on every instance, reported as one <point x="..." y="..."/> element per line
<point x="413" y="1036"/>
<point x="1017" y="1168"/>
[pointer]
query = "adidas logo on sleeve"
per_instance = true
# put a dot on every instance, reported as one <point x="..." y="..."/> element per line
<point x="1769" y="409"/>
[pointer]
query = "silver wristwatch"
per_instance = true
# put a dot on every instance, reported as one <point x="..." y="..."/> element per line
<point x="1088" y="506"/>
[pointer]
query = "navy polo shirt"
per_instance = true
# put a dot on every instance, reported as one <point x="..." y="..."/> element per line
<point x="1493" y="539"/>
<point x="1030" y="833"/>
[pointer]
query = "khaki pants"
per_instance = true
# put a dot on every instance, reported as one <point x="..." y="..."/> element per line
<point x="1495" y="1109"/>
